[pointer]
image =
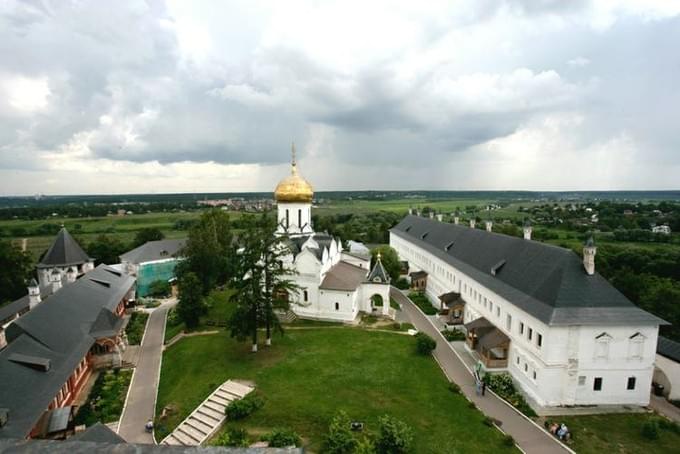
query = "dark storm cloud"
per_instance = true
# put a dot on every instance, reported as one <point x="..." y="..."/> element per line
<point x="121" y="87"/>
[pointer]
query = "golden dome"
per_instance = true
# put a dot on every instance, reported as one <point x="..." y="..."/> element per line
<point x="294" y="188"/>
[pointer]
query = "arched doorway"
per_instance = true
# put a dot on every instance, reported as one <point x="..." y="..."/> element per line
<point x="376" y="302"/>
<point x="661" y="378"/>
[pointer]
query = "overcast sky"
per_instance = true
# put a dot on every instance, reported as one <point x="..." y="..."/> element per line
<point x="193" y="96"/>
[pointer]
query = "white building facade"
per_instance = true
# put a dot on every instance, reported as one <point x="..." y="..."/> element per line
<point x="573" y="339"/>
<point x="336" y="285"/>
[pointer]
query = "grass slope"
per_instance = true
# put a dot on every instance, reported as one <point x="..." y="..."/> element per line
<point x="310" y="374"/>
<point x="618" y="433"/>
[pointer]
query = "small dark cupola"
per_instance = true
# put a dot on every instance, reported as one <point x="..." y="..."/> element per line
<point x="378" y="274"/>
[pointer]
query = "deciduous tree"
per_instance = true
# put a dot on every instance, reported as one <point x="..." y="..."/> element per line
<point x="15" y="270"/>
<point x="190" y="305"/>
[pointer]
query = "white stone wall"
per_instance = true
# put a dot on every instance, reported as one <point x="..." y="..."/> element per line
<point x="299" y="218"/>
<point x="667" y="373"/>
<point x="561" y="370"/>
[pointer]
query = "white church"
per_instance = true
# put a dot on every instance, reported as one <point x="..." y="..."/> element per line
<point x="336" y="285"/>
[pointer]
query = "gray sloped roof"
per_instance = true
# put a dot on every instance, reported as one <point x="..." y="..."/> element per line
<point x="343" y="276"/>
<point x="13" y="308"/>
<point x="61" y="329"/>
<point x="546" y="281"/>
<point x="668" y="348"/>
<point x="99" y="433"/>
<point x="64" y="251"/>
<point x="378" y="272"/>
<point x="154" y="250"/>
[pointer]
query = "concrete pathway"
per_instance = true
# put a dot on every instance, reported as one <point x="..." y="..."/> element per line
<point x="528" y="436"/>
<point x="141" y="398"/>
<point x="662" y="406"/>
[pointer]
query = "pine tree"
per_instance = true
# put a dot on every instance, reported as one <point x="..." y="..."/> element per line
<point x="190" y="305"/>
<point x="261" y="281"/>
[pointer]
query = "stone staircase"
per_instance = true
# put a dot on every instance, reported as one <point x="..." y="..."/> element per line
<point x="208" y="417"/>
<point x="286" y="317"/>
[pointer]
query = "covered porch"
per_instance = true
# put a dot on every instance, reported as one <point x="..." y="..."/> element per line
<point x="489" y="342"/>
<point x="452" y="308"/>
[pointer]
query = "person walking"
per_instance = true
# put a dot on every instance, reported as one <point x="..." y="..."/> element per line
<point x="483" y="387"/>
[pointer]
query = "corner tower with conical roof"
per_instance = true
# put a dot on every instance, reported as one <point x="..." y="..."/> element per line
<point x="293" y="197"/>
<point x="65" y="253"/>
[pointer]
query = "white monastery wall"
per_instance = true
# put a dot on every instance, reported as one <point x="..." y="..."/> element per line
<point x="555" y="365"/>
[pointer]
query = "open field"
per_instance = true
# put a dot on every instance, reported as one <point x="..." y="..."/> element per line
<point x="309" y="374"/>
<point x="85" y="230"/>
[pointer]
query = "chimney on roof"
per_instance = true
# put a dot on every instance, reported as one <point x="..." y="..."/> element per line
<point x="55" y="280"/>
<point x="589" y="251"/>
<point x="472" y="223"/>
<point x="440" y="217"/>
<point x="33" y="294"/>
<point x="71" y="275"/>
<point x="527" y="229"/>
<point x="489" y="225"/>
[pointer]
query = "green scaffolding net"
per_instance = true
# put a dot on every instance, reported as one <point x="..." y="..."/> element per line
<point x="151" y="272"/>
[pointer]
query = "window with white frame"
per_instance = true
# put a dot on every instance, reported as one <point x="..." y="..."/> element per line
<point x="521" y="327"/>
<point x="508" y="322"/>
<point x="602" y="346"/>
<point x="498" y="311"/>
<point x="636" y="345"/>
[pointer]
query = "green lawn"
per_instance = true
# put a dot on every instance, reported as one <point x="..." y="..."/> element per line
<point x="619" y="433"/>
<point x="310" y="374"/>
<point x="218" y="311"/>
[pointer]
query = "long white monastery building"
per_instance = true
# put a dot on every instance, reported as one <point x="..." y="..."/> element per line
<point x="560" y="329"/>
<point x="336" y="284"/>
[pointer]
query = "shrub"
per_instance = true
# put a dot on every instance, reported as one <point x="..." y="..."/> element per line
<point x="402" y="283"/>
<point x="453" y="335"/>
<point x="239" y="409"/>
<point x="508" y="440"/>
<point x="282" y="438"/>
<point x="650" y="429"/>
<point x="420" y="300"/>
<point x="339" y="439"/>
<point x="425" y="344"/>
<point x="235" y="437"/>
<point x="394" y="436"/>
<point x="472" y="405"/>
<point x="135" y="327"/>
<point x="454" y="388"/>
<point x="487" y="421"/>
<point x="364" y="446"/>
<point x="159" y="288"/>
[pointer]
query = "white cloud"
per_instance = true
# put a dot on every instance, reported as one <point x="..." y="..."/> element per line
<point x="25" y="94"/>
<point x="381" y="94"/>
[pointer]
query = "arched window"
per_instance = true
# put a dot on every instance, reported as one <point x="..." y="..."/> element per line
<point x="337" y="306"/>
<point x="287" y="218"/>
<point x="306" y="295"/>
<point x="636" y="346"/>
<point x="299" y="218"/>
<point x="602" y="346"/>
